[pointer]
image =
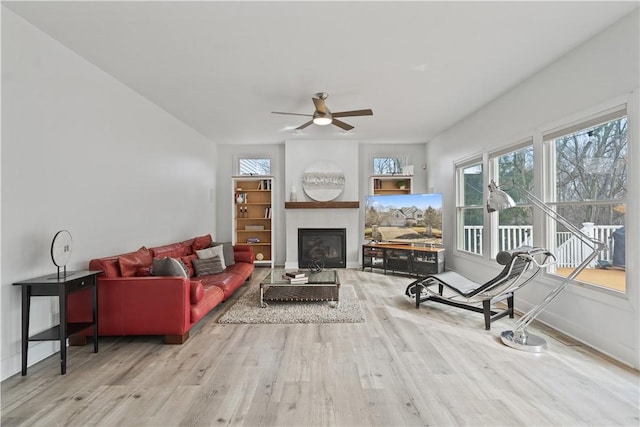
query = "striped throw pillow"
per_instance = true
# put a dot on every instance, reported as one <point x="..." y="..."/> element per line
<point x="207" y="266"/>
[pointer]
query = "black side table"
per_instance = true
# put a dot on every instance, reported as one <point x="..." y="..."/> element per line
<point x="60" y="286"/>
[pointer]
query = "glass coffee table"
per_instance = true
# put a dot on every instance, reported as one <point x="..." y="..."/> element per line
<point x="322" y="286"/>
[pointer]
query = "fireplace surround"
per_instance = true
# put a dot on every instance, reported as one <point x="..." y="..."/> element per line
<point x="328" y="246"/>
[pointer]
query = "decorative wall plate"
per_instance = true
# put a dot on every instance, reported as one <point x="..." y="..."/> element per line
<point x="61" y="248"/>
<point x="323" y="181"/>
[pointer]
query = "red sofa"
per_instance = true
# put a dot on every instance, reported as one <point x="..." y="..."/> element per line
<point x="133" y="302"/>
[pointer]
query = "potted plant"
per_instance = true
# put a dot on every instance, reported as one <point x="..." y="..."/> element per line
<point x="401" y="184"/>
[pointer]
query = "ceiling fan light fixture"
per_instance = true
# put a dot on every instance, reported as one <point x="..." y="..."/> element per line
<point x="322" y="119"/>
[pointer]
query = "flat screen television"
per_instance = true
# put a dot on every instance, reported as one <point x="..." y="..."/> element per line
<point x="404" y="218"/>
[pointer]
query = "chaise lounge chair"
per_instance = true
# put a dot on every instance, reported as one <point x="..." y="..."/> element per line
<point x="521" y="265"/>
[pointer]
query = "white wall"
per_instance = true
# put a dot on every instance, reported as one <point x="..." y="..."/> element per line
<point x="288" y="161"/>
<point x="601" y="73"/>
<point x="82" y="152"/>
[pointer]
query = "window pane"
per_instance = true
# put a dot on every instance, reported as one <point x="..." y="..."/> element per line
<point x="516" y="169"/>
<point x="515" y="226"/>
<point x="255" y="166"/>
<point x="388" y="165"/>
<point x="607" y="227"/>
<point x="591" y="163"/>
<point x="471" y="230"/>
<point x="591" y="189"/>
<point x="473" y="186"/>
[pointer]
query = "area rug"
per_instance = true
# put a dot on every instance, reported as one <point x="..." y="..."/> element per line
<point x="247" y="310"/>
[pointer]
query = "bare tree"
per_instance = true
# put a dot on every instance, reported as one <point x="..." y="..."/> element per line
<point x="591" y="166"/>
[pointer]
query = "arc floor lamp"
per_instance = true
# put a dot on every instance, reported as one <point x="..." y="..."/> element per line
<point x="519" y="337"/>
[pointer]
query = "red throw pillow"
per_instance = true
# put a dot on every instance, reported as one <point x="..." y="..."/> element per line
<point x="187" y="244"/>
<point x="188" y="261"/>
<point x="202" y="242"/>
<point x="130" y="263"/>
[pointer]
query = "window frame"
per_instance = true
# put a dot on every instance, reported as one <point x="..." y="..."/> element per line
<point x="239" y="160"/>
<point x="389" y="156"/>
<point x="549" y="168"/>
<point x="494" y="174"/>
<point x="461" y="207"/>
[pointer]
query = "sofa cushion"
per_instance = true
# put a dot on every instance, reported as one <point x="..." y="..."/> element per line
<point x="188" y="262"/>
<point x="168" y="267"/>
<point x="129" y="263"/>
<point x="143" y="272"/>
<point x="174" y="250"/>
<point x="241" y="269"/>
<point x="197" y="291"/>
<point x="227" y="251"/>
<point x="202" y="242"/>
<point x="212" y="252"/>
<point x="208" y="266"/>
<point x="228" y="282"/>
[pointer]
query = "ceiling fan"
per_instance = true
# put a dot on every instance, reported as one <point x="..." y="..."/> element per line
<point x="322" y="116"/>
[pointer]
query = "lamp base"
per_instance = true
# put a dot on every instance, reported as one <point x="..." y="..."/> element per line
<point x="524" y="341"/>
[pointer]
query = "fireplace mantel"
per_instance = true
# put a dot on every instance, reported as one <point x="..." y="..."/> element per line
<point x="321" y="205"/>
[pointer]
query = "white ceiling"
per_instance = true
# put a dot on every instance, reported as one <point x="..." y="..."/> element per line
<point x="222" y="67"/>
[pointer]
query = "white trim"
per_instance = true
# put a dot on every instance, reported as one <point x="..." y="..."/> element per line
<point x="606" y="107"/>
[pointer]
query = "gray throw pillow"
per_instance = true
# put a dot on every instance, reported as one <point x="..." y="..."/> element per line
<point x="210" y="252"/>
<point x="168" y="267"/>
<point x="227" y="252"/>
<point x="207" y="266"/>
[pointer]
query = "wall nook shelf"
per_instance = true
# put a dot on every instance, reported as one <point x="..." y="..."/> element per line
<point x="321" y="205"/>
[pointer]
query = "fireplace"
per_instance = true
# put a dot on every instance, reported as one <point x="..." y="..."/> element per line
<point x="325" y="245"/>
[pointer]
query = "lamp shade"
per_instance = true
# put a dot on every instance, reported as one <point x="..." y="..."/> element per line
<point x="498" y="199"/>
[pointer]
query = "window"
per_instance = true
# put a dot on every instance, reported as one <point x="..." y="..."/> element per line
<point x="515" y="225"/>
<point x="254" y="166"/>
<point x="389" y="165"/>
<point x="470" y="213"/>
<point x="588" y="172"/>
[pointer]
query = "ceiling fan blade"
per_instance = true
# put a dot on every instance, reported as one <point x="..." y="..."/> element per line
<point x="320" y="107"/>
<point x="302" y="126"/>
<point x="366" y="112"/>
<point x="292" y="114"/>
<point x="341" y="124"/>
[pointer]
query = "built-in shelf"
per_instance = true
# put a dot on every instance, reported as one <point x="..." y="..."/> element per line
<point x="321" y="205"/>
<point x="391" y="184"/>
<point x="252" y="211"/>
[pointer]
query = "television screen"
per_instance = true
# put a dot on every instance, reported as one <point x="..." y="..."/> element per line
<point x="404" y="218"/>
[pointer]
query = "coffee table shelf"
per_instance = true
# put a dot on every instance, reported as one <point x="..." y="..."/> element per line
<point x="322" y="286"/>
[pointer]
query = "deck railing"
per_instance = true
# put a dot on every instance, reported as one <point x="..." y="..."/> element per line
<point x="569" y="251"/>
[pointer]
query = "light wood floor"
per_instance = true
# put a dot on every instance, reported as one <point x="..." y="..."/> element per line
<point x="432" y="366"/>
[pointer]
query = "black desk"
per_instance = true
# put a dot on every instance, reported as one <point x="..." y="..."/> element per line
<point x="60" y="286"/>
